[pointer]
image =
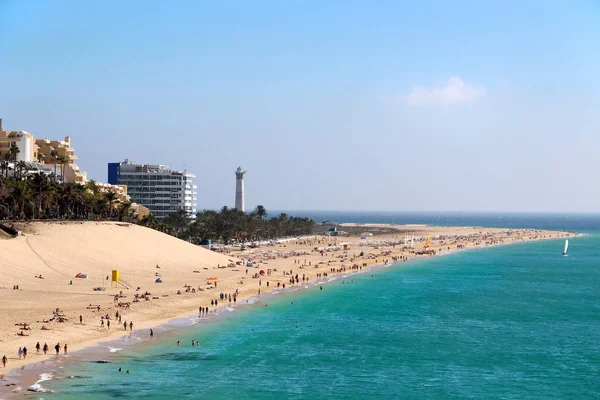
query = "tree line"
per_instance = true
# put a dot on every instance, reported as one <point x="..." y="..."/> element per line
<point x="40" y="196"/>
<point x="230" y="224"/>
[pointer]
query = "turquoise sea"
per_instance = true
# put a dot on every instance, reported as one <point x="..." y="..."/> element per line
<point x="510" y="322"/>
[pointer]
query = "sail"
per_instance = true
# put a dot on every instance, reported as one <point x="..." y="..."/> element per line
<point x="566" y="246"/>
<point x="428" y="241"/>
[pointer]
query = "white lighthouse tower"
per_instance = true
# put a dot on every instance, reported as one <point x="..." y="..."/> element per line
<point x="239" y="189"/>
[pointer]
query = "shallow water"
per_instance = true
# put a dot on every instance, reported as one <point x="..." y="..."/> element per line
<point x="516" y="321"/>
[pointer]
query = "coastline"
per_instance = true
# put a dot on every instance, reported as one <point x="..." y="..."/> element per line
<point x="29" y="373"/>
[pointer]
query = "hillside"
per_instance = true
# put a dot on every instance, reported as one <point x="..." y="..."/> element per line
<point x="60" y="250"/>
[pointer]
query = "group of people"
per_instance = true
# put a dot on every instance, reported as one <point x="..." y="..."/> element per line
<point x="23" y="352"/>
<point x="118" y="317"/>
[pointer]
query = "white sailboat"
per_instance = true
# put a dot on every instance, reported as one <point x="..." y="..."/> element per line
<point x="566" y="247"/>
<point x="405" y="239"/>
<point x="412" y="241"/>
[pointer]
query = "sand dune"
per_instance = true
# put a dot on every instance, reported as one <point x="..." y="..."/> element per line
<point x="58" y="251"/>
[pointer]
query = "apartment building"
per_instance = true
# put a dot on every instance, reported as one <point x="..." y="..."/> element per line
<point x="162" y="190"/>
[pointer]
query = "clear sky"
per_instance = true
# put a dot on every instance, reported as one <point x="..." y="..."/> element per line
<point x="337" y="105"/>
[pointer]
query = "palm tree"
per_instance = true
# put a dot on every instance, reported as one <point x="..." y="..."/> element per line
<point x="21" y="166"/>
<point x="20" y="196"/>
<point x="178" y="222"/>
<point x="54" y="155"/>
<point x="4" y="195"/>
<point x="13" y="152"/>
<point x="125" y="212"/>
<point x="63" y="163"/>
<point x="111" y="197"/>
<point x="43" y="191"/>
<point x="260" y="211"/>
<point x="93" y="187"/>
<point x="4" y="166"/>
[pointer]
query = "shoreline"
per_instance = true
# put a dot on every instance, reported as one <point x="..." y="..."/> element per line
<point x="32" y="372"/>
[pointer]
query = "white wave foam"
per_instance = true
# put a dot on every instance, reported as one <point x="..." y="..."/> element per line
<point x="45" y="377"/>
<point x="37" y="387"/>
<point x="114" y="349"/>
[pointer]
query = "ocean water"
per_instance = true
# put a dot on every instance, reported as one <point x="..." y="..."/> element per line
<point x="573" y="221"/>
<point x="510" y="322"/>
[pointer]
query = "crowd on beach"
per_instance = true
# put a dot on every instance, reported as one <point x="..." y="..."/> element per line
<point x="304" y="260"/>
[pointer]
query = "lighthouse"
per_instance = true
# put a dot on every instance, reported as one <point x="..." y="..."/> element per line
<point x="239" y="189"/>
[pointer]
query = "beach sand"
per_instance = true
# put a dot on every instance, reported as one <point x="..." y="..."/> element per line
<point x="59" y="250"/>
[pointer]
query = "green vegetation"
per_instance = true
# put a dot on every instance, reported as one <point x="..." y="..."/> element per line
<point x="38" y="196"/>
<point x="230" y="224"/>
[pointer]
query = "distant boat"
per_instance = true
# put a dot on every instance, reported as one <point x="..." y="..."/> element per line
<point x="405" y="239"/>
<point x="428" y="241"/>
<point x="566" y="247"/>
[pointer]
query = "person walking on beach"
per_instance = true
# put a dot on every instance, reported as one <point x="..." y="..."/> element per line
<point x="108" y="323"/>
<point x="4" y="361"/>
<point x="80" y="320"/>
<point x="65" y="349"/>
<point x="24" y="352"/>
<point x="151" y="332"/>
<point x="20" y="353"/>
<point x="37" y="347"/>
<point x="131" y="326"/>
<point x="125" y="325"/>
<point x="45" y="348"/>
<point x="57" y="348"/>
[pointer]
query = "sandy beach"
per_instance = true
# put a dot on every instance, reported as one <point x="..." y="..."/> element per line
<point x="46" y="258"/>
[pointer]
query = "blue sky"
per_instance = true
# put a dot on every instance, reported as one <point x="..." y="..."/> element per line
<point x="349" y="105"/>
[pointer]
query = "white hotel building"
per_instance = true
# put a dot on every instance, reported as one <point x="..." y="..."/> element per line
<point x="157" y="187"/>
